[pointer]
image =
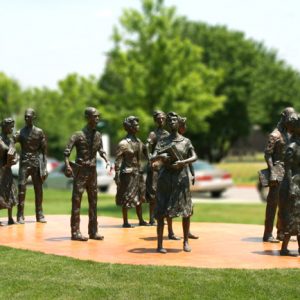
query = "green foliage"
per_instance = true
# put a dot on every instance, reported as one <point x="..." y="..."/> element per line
<point x="61" y="112"/>
<point x="152" y="67"/>
<point x="221" y="81"/>
<point x="276" y="86"/>
<point x="10" y="96"/>
<point x="257" y="86"/>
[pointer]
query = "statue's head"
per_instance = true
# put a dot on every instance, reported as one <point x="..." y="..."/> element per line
<point x="294" y="126"/>
<point x="29" y="116"/>
<point x="181" y="125"/>
<point x="131" y="124"/>
<point x="173" y="121"/>
<point x="7" y="125"/>
<point x="159" y="118"/>
<point x="92" y="116"/>
<point x="288" y="118"/>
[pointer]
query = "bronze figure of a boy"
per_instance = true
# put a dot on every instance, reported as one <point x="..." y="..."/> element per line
<point x="87" y="142"/>
<point x="32" y="163"/>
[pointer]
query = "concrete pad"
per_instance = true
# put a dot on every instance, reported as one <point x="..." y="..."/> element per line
<point x="219" y="246"/>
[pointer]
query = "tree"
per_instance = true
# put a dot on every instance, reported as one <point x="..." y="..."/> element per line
<point x="257" y="85"/>
<point x="61" y="112"/>
<point x="151" y="66"/>
<point x="10" y="96"/>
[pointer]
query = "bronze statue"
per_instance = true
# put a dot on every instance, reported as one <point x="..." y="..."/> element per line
<point x="32" y="163"/>
<point x="159" y="118"/>
<point x="8" y="158"/>
<point x="175" y="153"/>
<point x="87" y="142"/>
<point x="129" y="173"/>
<point x="291" y="211"/>
<point x="274" y="156"/>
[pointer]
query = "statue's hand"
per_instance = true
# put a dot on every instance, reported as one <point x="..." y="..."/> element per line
<point x="179" y="164"/>
<point x="273" y="183"/>
<point x="109" y="166"/>
<point x="193" y="180"/>
<point x="69" y="171"/>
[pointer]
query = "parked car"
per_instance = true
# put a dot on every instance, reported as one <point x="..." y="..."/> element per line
<point x="52" y="163"/>
<point x="210" y="179"/>
<point x="57" y="179"/>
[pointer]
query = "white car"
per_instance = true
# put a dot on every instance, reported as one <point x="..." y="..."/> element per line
<point x="210" y="179"/>
<point x="57" y="179"/>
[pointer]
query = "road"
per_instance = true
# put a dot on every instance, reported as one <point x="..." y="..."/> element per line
<point x="232" y="195"/>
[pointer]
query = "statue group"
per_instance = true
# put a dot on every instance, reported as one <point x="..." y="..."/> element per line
<point x="169" y="157"/>
<point x="167" y="185"/>
<point x="282" y="155"/>
<point x="32" y="163"/>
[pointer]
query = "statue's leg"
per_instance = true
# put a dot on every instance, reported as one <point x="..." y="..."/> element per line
<point x="284" y="250"/>
<point x="38" y="192"/>
<point x="186" y="230"/>
<point x="125" y="218"/>
<point x="151" y="213"/>
<point x="78" y="189"/>
<point x="282" y="207"/>
<point x="21" y="203"/>
<point x="171" y="234"/>
<point x="23" y="175"/>
<point x="139" y="213"/>
<point x="160" y="232"/>
<point x="10" y="217"/>
<point x="92" y="193"/>
<point x="272" y="202"/>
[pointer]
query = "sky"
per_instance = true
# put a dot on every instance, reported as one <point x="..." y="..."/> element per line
<point x="41" y="41"/>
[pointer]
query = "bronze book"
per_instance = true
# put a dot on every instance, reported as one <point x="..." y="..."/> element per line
<point x="277" y="174"/>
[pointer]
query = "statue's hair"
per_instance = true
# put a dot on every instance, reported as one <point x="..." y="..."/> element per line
<point x="90" y="111"/>
<point x="181" y="121"/>
<point x="156" y="113"/>
<point x="7" y="121"/>
<point x="288" y="115"/>
<point x="128" y="121"/>
<point x="30" y="111"/>
<point x="172" y="114"/>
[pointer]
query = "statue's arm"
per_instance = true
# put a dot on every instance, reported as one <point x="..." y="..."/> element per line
<point x="191" y="157"/>
<point x="67" y="153"/>
<point x="149" y="145"/>
<point x="43" y="146"/>
<point x="118" y="161"/>
<point x="103" y="154"/>
<point x="270" y="148"/>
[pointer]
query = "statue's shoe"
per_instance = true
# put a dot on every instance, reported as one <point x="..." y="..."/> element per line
<point x="79" y="237"/>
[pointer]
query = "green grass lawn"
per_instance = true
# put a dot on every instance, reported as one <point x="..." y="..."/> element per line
<point x="30" y="275"/>
<point x="243" y="172"/>
<point x="59" y="202"/>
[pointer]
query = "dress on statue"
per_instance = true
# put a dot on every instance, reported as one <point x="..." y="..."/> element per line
<point x="173" y="185"/>
<point x="131" y="187"/>
<point x="8" y="191"/>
